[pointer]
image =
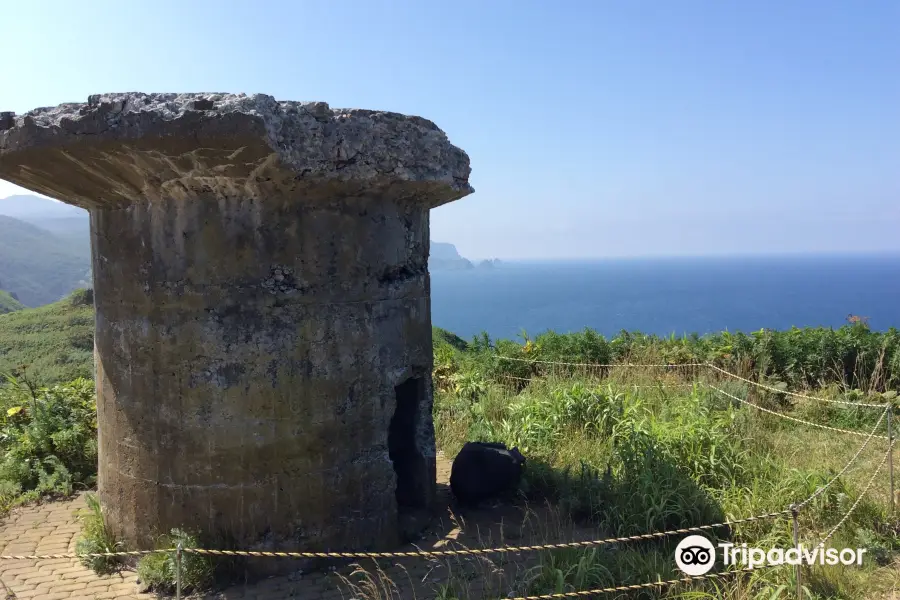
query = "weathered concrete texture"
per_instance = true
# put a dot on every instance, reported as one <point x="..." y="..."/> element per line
<point x="123" y="148"/>
<point x="262" y="296"/>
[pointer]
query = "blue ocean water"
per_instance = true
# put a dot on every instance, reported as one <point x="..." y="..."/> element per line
<point x="672" y="295"/>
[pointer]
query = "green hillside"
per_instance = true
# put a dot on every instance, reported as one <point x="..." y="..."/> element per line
<point x="56" y="341"/>
<point x="40" y="266"/>
<point x="8" y="303"/>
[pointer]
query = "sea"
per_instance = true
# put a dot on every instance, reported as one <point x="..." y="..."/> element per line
<point x="665" y="296"/>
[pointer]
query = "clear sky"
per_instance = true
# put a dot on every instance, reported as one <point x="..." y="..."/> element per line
<point x="595" y="128"/>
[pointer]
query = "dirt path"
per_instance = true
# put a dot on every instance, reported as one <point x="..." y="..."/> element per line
<point x="52" y="528"/>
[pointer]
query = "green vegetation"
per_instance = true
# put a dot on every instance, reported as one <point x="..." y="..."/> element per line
<point x="631" y="451"/>
<point x="620" y="449"/>
<point x="41" y="266"/>
<point x="56" y="341"/>
<point x="852" y="356"/>
<point x="97" y="538"/>
<point x="157" y="571"/>
<point x="9" y="304"/>
<point x="631" y="460"/>
<point x="48" y="439"/>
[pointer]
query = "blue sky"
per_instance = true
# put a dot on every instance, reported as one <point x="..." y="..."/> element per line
<point x="594" y="129"/>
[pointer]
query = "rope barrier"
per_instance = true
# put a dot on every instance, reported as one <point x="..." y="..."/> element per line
<point x="790" y="418"/>
<point x="498" y="550"/>
<point x="706" y="365"/>
<point x="599" y="365"/>
<point x="671" y="582"/>
<point x="778" y="414"/>
<point x="420" y="553"/>
<point x="861" y="495"/>
<point x="860" y="404"/>
<point x="794" y="394"/>
<point x="847" y="466"/>
<point x="88" y="555"/>
<point x="624" y="385"/>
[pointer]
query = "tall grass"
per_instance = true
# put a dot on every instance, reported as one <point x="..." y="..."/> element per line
<point x="634" y="451"/>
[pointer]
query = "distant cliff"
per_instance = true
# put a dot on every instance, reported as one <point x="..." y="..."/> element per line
<point x="445" y="257"/>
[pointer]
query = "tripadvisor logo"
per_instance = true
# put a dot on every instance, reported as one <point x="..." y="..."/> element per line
<point x="695" y="555"/>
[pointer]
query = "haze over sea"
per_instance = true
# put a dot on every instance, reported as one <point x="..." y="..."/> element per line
<point x="669" y="295"/>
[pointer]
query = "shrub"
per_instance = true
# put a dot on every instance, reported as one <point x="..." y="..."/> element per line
<point x="82" y="297"/>
<point x="158" y="571"/>
<point x="48" y="436"/>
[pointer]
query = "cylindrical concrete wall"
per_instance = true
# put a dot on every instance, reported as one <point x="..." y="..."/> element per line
<point x="248" y="356"/>
<point x="263" y="328"/>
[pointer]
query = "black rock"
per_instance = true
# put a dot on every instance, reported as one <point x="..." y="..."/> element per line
<point x="484" y="471"/>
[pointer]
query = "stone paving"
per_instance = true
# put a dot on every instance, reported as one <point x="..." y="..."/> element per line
<point x="52" y="528"/>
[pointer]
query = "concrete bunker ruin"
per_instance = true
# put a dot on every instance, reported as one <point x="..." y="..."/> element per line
<point x="263" y="316"/>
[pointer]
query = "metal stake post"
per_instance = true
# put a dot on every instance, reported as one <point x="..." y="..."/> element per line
<point x="890" y="434"/>
<point x="794" y="515"/>
<point x="178" y="571"/>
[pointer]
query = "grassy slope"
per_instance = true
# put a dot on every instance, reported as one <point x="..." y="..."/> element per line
<point x="56" y="340"/>
<point x="39" y="266"/>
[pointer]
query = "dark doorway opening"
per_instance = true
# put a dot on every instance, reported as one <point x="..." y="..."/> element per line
<point x="408" y="462"/>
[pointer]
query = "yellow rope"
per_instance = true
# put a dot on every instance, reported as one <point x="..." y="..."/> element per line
<point x="706" y="365"/>
<point x="480" y="551"/>
<point x="417" y="553"/>
<point x="795" y="419"/>
<point x="861" y="495"/>
<point x="794" y="394"/>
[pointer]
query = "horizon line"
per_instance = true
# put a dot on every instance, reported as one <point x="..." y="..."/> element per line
<point x="748" y="254"/>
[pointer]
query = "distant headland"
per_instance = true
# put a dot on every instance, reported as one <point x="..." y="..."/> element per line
<point x="445" y="257"/>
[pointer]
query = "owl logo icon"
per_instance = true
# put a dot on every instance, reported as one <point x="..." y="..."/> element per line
<point x="695" y="555"/>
